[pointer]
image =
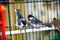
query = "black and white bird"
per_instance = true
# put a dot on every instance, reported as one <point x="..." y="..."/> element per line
<point x="35" y="22"/>
<point x="21" y="22"/>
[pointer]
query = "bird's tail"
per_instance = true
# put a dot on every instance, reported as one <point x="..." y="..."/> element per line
<point x="18" y="13"/>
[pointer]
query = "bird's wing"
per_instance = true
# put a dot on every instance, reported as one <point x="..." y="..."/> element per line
<point x="19" y="21"/>
<point x="37" y="21"/>
<point x="24" y="21"/>
<point x="18" y="13"/>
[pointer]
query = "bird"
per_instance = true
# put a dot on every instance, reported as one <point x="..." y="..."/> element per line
<point x="21" y="22"/>
<point x="35" y="22"/>
<point x="56" y="23"/>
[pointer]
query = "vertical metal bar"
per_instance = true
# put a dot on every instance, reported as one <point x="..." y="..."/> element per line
<point x="35" y="8"/>
<point x="32" y="12"/>
<point x="53" y="33"/>
<point x="39" y="17"/>
<point x="22" y="15"/>
<point x="47" y="11"/>
<point x="30" y="6"/>
<point x="9" y="19"/>
<point x="28" y="12"/>
<point x="51" y="10"/>
<point x="38" y="9"/>
<point x="21" y="11"/>
<point x="45" y="14"/>
<point x="57" y="3"/>
<point x="25" y="27"/>
<point x="51" y="19"/>
<point x="57" y="9"/>
<point x="15" y="26"/>
<point x="36" y="15"/>
<point x="48" y="16"/>
<point x="42" y="19"/>
<point x="15" y="19"/>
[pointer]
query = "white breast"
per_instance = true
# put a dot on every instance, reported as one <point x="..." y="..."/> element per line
<point x="20" y="26"/>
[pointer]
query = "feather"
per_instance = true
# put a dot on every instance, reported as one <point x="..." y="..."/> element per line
<point x="21" y="22"/>
<point x="56" y="23"/>
<point x="35" y="22"/>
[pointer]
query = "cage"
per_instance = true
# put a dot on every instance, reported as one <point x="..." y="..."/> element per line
<point x="44" y="10"/>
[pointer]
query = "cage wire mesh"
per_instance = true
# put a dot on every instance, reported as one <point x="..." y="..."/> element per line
<point x="44" y="10"/>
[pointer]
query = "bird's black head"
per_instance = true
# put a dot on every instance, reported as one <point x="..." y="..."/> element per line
<point x="54" y="19"/>
<point x="30" y="16"/>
